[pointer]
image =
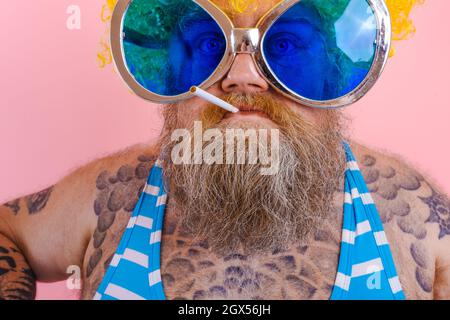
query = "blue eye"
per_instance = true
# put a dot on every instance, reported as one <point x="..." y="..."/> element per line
<point x="283" y="44"/>
<point x="211" y="45"/>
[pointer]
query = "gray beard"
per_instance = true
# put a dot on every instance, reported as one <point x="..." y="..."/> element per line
<point x="234" y="207"/>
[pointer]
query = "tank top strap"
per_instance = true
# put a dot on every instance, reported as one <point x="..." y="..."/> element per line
<point x="366" y="267"/>
<point x="134" y="271"/>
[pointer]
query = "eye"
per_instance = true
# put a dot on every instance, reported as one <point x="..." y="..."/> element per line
<point x="211" y="45"/>
<point x="283" y="44"/>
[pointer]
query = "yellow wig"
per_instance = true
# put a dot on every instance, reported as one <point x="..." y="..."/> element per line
<point x="402" y="26"/>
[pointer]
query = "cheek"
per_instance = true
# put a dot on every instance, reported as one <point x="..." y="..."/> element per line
<point x="307" y="113"/>
<point x="190" y="111"/>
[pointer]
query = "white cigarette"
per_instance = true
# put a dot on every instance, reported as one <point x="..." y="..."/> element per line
<point x="213" y="99"/>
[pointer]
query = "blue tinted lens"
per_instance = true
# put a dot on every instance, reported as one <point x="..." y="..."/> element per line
<point x="322" y="49"/>
<point x="171" y="45"/>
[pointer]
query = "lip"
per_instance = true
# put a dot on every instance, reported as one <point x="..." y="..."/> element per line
<point x="247" y="111"/>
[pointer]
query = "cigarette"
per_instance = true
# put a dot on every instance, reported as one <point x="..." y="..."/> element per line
<point x="213" y="99"/>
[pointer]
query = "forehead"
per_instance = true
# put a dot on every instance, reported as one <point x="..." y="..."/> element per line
<point x="245" y="13"/>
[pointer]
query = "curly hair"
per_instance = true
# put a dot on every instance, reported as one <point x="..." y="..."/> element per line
<point x="400" y="10"/>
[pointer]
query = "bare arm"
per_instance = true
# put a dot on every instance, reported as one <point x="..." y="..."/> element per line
<point x="50" y="230"/>
<point x="439" y="205"/>
<point x="436" y="209"/>
<point x="416" y="217"/>
<point x="442" y="283"/>
<point x="17" y="281"/>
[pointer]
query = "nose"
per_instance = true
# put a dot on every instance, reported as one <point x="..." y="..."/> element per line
<point x="244" y="77"/>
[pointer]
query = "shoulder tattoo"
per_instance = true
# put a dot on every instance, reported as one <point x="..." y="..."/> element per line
<point x="34" y="203"/>
<point x="439" y="206"/>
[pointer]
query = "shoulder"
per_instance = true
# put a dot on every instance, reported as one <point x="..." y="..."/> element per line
<point x="77" y="197"/>
<point x="119" y="162"/>
<point x="109" y="189"/>
<point x="114" y="182"/>
<point x="401" y="189"/>
<point x="414" y="209"/>
<point x="70" y="210"/>
<point x="116" y="185"/>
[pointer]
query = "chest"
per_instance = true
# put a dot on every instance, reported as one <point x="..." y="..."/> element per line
<point x="191" y="270"/>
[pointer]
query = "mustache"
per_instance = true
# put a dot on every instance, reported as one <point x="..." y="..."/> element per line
<point x="286" y="117"/>
<point x="277" y="111"/>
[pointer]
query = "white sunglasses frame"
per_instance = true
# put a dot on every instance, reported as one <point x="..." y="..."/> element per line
<point x="249" y="41"/>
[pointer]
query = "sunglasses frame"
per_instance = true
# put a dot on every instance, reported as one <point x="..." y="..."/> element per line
<point x="249" y="41"/>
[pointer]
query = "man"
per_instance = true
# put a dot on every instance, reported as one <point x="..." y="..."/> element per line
<point x="230" y="232"/>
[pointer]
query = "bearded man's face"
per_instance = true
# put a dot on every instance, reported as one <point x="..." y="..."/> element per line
<point x="234" y="206"/>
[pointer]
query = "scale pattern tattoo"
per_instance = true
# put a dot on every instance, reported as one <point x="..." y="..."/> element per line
<point x="386" y="181"/>
<point x="396" y="189"/>
<point x="439" y="212"/>
<point x="420" y="256"/>
<point x="191" y="271"/>
<point x="117" y="195"/>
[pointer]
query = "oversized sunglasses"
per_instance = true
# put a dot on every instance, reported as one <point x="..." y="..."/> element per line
<point x="320" y="53"/>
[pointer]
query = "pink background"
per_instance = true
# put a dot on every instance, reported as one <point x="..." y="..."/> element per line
<point x="58" y="110"/>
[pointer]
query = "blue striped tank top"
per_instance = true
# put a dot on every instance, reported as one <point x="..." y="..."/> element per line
<point x="365" y="271"/>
